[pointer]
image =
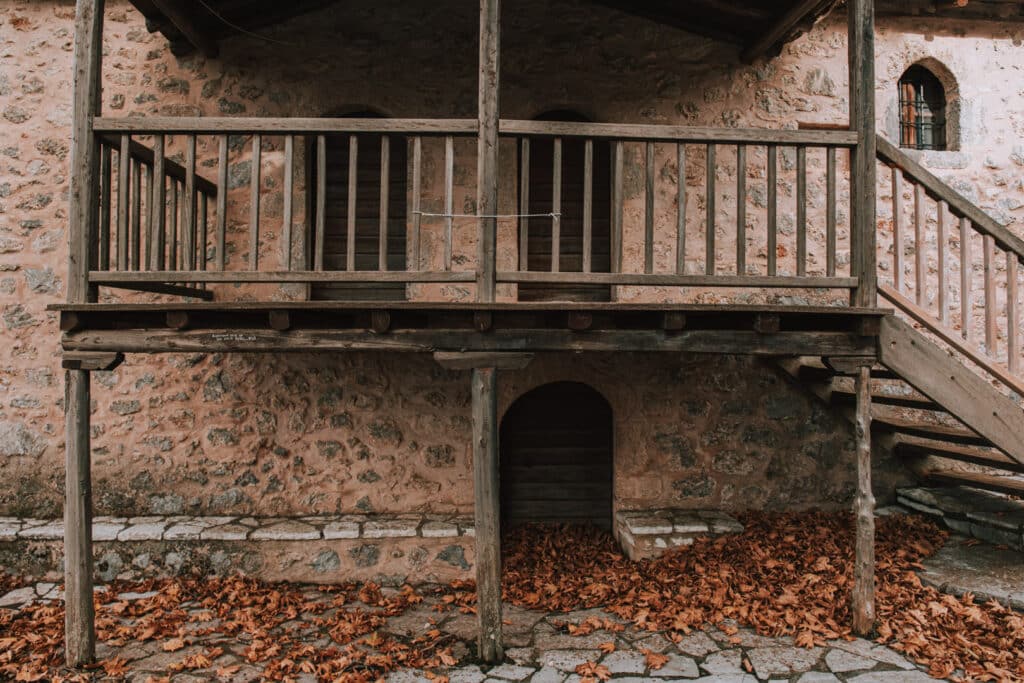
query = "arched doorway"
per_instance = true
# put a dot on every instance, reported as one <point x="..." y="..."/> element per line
<point x="556" y="457"/>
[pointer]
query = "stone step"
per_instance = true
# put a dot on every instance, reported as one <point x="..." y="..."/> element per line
<point x="920" y="448"/>
<point x="986" y="515"/>
<point x="646" y="534"/>
<point x="1008" y="484"/>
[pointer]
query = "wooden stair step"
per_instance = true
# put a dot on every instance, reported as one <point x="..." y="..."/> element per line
<point x="1009" y="485"/>
<point x="848" y="397"/>
<point x="820" y="373"/>
<point x="988" y="458"/>
<point x="958" y="435"/>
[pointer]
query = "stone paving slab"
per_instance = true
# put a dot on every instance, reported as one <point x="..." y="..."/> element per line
<point x="986" y="571"/>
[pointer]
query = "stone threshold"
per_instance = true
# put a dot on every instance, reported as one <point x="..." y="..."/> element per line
<point x="646" y="534"/>
<point x="243" y="528"/>
<point x="984" y="515"/>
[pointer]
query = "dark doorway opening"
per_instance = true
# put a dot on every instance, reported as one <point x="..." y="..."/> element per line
<point x="556" y="457"/>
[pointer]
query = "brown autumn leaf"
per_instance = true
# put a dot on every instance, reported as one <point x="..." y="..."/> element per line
<point x="654" y="660"/>
<point x="607" y="648"/>
<point x="172" y="645"/>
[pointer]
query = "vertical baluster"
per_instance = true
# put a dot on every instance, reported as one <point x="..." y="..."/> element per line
<point x="681" y="209"/>
<point x="148" y="256"/>
<point x="830" y="212"/>
<point x="222" y="201"/>
<point x="254" y="203"/>
<point x="989" y="243"/>
<point x="617" y="206"/>
<point x="201" y="241"/>
<point x="159" y="206"/>
<point x="417" y="181"/>
<point x="965" y="279"/>
<point x="172" y="229"/>
<point x="524" y="204"/>
<point x="556" y="207"/>
<point x="188" y="225"/>
<point x="1012" y="322"/>
<point x="385" y="192"/>
<point x="773" y="210"/>
<point x="353" y="173"/>
<point x="942" y="238"/>
<point x="801" y="211"/>
<point x="919" y="240"/>
<point x="135" y="238"/>
<point x="709" y="264"/>
<point x="105" y="198"/>
<point x="321" y="201"/>
<point x="124" y="159"/>
<point x="588" y="205"/>
<point x="649" y="209"/>
<point x="289" y="183"/>
<point x="897" y="229"/>
<point x="449" y="198"/>
<point x="741" y="209"/>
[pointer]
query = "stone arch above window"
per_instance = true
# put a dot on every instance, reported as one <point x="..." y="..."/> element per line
<point x="929" y="107"/>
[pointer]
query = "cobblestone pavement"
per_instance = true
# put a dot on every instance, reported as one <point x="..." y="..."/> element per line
<point x="540" y="649"/>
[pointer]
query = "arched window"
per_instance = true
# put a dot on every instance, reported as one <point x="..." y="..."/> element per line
<point x="368" y="186"/>
<point x="922" y="110"/>
<point x="541" y="185"/>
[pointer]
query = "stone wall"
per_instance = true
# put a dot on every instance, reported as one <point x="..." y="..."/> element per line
<point x="210" y="434"/>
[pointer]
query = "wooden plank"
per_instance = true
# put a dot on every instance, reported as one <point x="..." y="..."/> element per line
<point x="671" y="279"/>
<point x="920" y="448"/>
<point x="942" y="239"/>
<point x="801" y="211"/>
<point x="966" y="263"/>
<point x="618" y="201"/>
<point x="920" y="253"/>
<point x="649" y="208"/>
<point x="556" y="206"/>
<point x="222" y="200"/>
<point x="1011" y="486"/>
<point x="524" y="204"/>
<point x="863" y="181"/>
<point x="158" y="259"/>
<point x="741" y="209"/>
<point x="709" y="229"/>
<point x="486" y="507"/>
<point x="864" y="511"/>
<point x="188" y="225"/>
<point x="449" y="198"/>
<point x="990" y="295"/>
<point x="79" y="615"/>
<point x="123" y="197"/>
<point x="103" y="228"/>
<point x="289" y="200"/>
<point x="830" y="212"/>
<point x="927" y="430"/>
<point x="458" y="360"/>
<point x="111" y="278"/>
<point x="1012" y="315"/>
<point x="949" y="383"/>
<point x="681" y="209"/>
<point x="417" y="195"/>
<point x="85" y="360"/>
<point x="380" y="321"/>
<point x="247" y="125"/>
<point x="351" y="198"/>
<point x="588" y="205"/>
<point x="385" y="198"/>
<point x="254" y="202"/>
<point x="83" y="210"/>
<point x="671" y="134"/>
<point x="773" y="210"/>
<point x="958" y="204"/>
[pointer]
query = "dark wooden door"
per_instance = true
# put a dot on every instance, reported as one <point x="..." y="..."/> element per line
<point x="556" y="457"/>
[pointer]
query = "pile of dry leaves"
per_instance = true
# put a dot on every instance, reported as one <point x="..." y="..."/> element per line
<point x="785" y="575"/>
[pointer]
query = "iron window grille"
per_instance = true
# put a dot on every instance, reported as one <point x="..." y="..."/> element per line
<point x="922" y="110"/>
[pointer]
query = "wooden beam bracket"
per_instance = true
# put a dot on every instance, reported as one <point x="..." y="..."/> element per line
<point x="91" y="360"/>
<point x="483" y="321"/>
<point x="468" y="360"/>
<point x="848" y="365"/>
<point x="380" y="321"/>
<point x="767" y="323"/>
<point x="580" y="321"/>
<point x="674" y="322"/>
<point x="279" y="320"/>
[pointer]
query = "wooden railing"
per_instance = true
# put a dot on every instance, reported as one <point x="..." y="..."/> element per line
<point x="953" y="269"/>
<point x="271" y="200"/>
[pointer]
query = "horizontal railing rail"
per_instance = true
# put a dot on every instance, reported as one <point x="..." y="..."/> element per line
<point x="952" y="252"/>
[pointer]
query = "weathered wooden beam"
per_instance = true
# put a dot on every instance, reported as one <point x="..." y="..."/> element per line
<point x="864" y="510"/>
<point x="279" y="320"/>
<point x="487" y="512"/>
<point x="468" y="360"/>
<point x="674" y="321"/>
<point x="487" y="149"/>
<point x="91" y="360"/>
<point x="177" y="320"/>
<point x="798" y="14"/>
<point x="85" y="158"/>
<point x="767" y="323"/>
<point x="380" y="321"/>
<point x="79" y="615"/>
<point x="580" y="320"/>
<point x="861" y="39"/>
<point x="69" y="321"/>
<point x="185" y="22"/>
<point x="483" y="321"/>
<point x="850" y="365"/>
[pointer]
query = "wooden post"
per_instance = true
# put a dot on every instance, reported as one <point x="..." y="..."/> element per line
<point x="486" y="490"/>
<point x="85" y="158"/>
<point x="864" y="509"/>
<point x="487" y="148"/>
<point x="79" y="632"/>
<point x="861" y="37"/>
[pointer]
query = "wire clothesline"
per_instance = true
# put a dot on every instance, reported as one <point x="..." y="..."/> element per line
<point x="488" y="215"/>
